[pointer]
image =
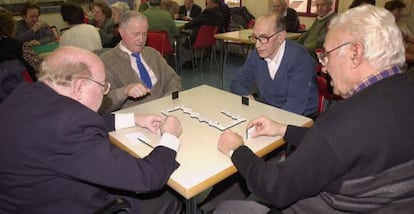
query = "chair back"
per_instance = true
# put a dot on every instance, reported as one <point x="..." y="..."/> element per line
<point x="159" y="41"/>
<point x="205" y="37"/>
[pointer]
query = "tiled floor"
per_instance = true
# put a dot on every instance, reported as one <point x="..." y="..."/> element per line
<point x="210" y="75"/>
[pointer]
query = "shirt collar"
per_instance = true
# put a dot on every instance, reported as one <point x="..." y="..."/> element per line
<point x="279" y="52"/>
<point x="124" y="49"/>
<point x="375" y="78"/>
<point x="323" y="17"/>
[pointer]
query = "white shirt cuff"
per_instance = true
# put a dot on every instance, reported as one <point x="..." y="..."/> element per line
<point x="170" y="141"/>
<point x="124" y="120"/>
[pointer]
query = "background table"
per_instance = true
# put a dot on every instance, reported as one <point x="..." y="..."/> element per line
<point x="202" y="165"/>
<point x="45" y="49"/>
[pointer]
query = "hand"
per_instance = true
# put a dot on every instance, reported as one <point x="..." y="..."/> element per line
<point x="172" y="126"/>
<point x="136" y="90"/>
<point x="267" y="127"/>
<point x="150" y="121"/>
<point x="187" y="18"/>
<point x="37" y="26"/>
<point x="34" y="42"/>
<point x="251" y="97"/>
<point x="229" y="141"/>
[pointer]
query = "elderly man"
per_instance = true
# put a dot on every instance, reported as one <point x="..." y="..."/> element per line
<point x="55" y="156"/>
<point x="137" y="73"/>
<point x="315" y="36"/>
<point x="289" y="14"/>
<point x="188" y="11"/>
<point x="358" y="156"/>
<point x="282" y="71"/>
<point x="159" y="19"/>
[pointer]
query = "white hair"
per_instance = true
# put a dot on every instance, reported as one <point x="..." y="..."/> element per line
<point x="121" y="7"/>
<point x="376" y="29"/>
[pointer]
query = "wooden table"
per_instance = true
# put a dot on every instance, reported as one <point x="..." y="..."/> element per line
<point x="202" y="165"/>
<point x="240" y="36"/>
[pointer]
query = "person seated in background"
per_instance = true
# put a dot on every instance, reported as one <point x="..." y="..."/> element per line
<point x="282" y="70"/>
<point x="131" y="3"/>
<point x="137" y="73"/>
<point x="65" y="162"/>
<point x="356" y="3"/>
<point x="396" y="7"/>
<point x="103" y="22"/>
<point x="358" y="156"/>
<point x="160" y="20"/>
<point x="289" y="14"/>
<point x="30" y="28"/>
<point x="188" y="11"/>
<point x="15" y="49"/>
<point x="79" y="34"/>
<point x="315" y="35"/>
<point x="225" y="11"/>
<point x="170" y="6"/>
<point x="118" y="8"/>
<point x="211" y="15"/>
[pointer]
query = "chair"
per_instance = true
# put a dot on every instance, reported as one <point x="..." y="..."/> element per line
<point x="159" y="41"/>
<point x="205" y="39"/>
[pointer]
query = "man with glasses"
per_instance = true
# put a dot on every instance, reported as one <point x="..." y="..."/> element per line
<point x="358" y="156"/>
<point x="55" y="156"/>
<point x="282" y="71"/>
<point x="137" y="73"/>
<point x="315" y="35"/>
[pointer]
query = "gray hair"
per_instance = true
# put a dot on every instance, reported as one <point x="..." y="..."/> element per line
<point x="121" y="7"/>
<point x="375" y="28"/>
<point x="131" y="14"/>
<point x="63" y="70"/>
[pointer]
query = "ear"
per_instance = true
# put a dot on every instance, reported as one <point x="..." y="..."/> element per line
<point x="77" y="89"/>
<point x="356" y="54"/>
<point x="121" y="31"/>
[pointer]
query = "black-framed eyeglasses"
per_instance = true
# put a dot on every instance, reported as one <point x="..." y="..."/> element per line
<point x="105" y="87"/>
<point x="262" y="39"/>
<point x="323" y="54"/>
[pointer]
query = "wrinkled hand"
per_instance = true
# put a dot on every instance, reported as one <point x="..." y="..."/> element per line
<point x="267" y="127"/>
<point x="37" y="26"/>
<point x="136" y="90"/>
<point x="172" y="126"/>
<point x="229" y="141"/>
<point x="34" y="42"/>
<point x="150" y="121"/>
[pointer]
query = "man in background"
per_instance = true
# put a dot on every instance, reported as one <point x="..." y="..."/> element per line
<point x="137" y="73"/>
<point x="282" y="70"/>
<point x="188" y="11"/>
<point x="315" y="35"/>
<point x="289" y="14"/>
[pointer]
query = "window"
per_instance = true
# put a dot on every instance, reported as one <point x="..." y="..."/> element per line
<point x="308" y="7"/>
<point x="233" y="3"/>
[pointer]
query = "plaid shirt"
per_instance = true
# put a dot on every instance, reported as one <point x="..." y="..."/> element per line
<point x="374" y="78"/>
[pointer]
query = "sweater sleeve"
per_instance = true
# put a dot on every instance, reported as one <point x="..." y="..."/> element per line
<point x="245" y="78"/>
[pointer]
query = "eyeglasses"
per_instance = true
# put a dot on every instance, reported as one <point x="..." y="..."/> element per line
<point x="262" y="39"/>
<point x="106" y="86"/>
<point x="323" y="54"/>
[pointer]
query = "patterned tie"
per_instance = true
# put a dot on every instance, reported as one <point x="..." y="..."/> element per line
<point x="143" y="73"/>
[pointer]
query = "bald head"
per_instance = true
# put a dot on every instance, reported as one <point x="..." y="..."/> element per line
<point x="72" y="72"/>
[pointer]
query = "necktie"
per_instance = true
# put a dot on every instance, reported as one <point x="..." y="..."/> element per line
<point x="143" y="73"/>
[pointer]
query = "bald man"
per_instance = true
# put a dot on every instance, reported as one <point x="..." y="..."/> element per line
<point x="55" y="156"/>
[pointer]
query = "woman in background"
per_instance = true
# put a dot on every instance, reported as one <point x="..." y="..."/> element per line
<point x="79" y="34"/>
<point x="102" y="21"/>
<point x="117" y="9"/>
